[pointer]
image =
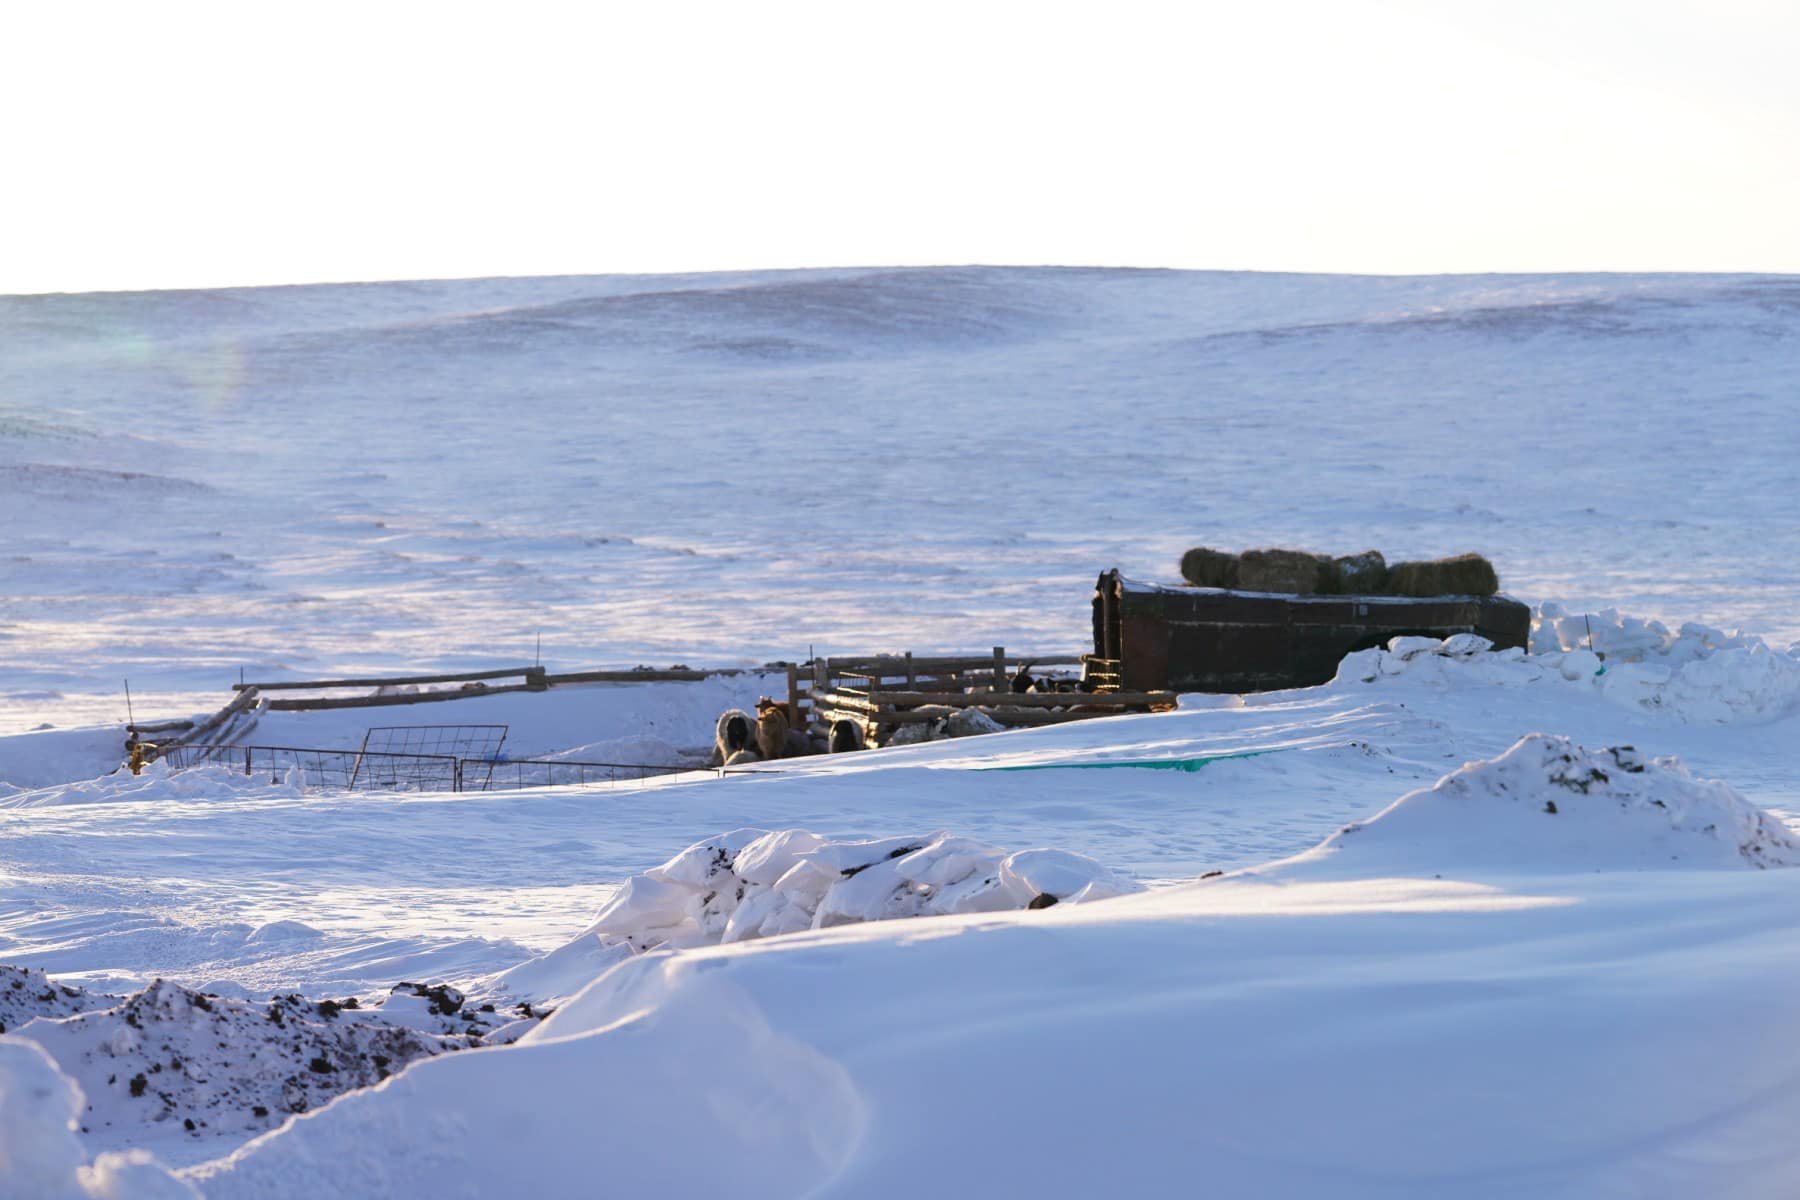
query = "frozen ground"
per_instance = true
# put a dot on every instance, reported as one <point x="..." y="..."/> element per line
<point x="728" y="469"/>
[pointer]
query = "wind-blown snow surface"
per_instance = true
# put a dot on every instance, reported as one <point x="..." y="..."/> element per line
<point x="1501" y="985"/>
<point x="730" y="468"/>
<point x="1580" y="1017"/>
<point x="1490" y="1006"/>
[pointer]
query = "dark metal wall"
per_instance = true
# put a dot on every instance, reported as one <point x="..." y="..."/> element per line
<point x="1211" y="640"/>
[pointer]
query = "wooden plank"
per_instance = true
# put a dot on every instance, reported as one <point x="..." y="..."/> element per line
<point x="895" y="664"/>
<point x="1007" y="699"/>
<point x="639" y="676"/>
<point x="394" y="681"/>
<point x="318" y="703"/>
<point x="159" y="727"/>
<point x="239" y="704"/>
<point x="1001" y="716"/>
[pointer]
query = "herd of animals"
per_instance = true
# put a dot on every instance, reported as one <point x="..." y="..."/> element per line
<point x="740" y="738"/>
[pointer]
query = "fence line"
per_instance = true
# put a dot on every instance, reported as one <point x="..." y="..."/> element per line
<point x="369" y="770"/>
<point x="517" y="774"/>
<point x="348" y="770"/>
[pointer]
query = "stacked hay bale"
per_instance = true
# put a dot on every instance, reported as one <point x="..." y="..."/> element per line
<point x="1463" y="575"/>
<point x="1204" y="567"/>
<point x="1293" y="571"/>
<point x="1364" y="574"/>
<point x="1303" y="573"/>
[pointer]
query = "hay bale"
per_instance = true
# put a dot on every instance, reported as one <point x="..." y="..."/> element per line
<point x="1463" y="575"/>
<point x="1362" y="574"/>
<point x="1205" y="567"/>
<point x="1291" y="571"/>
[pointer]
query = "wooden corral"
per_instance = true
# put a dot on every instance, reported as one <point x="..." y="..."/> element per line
<point x="824" y="676"/>
<point x="237" y="718"/>
<point x="881" y="695"/>
<point x="1197" y="639"/>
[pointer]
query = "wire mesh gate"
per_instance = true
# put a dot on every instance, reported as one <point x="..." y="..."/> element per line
<point x="386" y="749"/>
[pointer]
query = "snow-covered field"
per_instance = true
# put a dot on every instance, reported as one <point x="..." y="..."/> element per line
<point x="1359" y="967"/>
<point x="728" y="469"/>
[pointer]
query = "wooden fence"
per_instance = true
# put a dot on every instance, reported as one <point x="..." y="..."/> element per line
<point x="880" y="692"/>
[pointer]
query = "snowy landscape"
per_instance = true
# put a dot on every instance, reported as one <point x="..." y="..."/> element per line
<point x="1462" y="921"/>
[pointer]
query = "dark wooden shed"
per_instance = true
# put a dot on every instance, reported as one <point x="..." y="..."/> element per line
<point x="1191" y="639"/>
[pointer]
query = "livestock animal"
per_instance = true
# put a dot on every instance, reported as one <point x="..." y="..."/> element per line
<point x="772" y="729"/>
<point x="845" y="735"/>
<point x="936" y="726"/>
<point x="734" y="734"/>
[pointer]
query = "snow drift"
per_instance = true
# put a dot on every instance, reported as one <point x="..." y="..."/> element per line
<point x="27" y="993"/>
<point x="172" y="1060"/>
<point x="1271" y="1040"/>
<point x="1698" y="674"/>
<point x="1548" y="806"/>
<point x="690" y="1095"/>
<point x="40" y="1156"/>
<point x="754" y="883"/>
<point x="160" y="781"/>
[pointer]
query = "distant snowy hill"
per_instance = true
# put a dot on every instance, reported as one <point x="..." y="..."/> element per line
<point x="731" y="468"/>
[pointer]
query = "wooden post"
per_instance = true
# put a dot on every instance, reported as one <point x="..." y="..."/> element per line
<point x="1000" y="682"/>
<point x="874" y="714"/>
<point x="912" y="677"/>
<point x="794" y="696"/>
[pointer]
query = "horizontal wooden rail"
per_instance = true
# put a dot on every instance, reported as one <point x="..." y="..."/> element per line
<point x="317" y="703"/>
<point x="393" y="681"/>
<point x="159" y="727"/>
<point x="670" y="676"/>
<point x="896" y="665"/>
<point x="991" y="700"/>
<point x="242" y="702"/>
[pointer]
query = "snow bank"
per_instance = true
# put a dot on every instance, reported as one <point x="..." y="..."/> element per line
<point x="161" y="782"/>
<point x="40" y="1157"/>
<point x="171" y="1059"/>
<point x="27" y="993"/>
<point x="1622" y="638"/>
<point x="1697" y="674"/>
<point x="43" y="757"/>
<point x="1548" y="805"/>
<point x="754" y="883"/>
<point x="693" y="1095"/>
<point x="633" y="749"/>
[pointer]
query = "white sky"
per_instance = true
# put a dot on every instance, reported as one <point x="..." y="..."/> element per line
<point x="169" y="144"/>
